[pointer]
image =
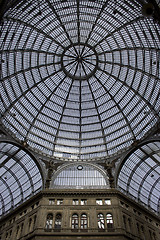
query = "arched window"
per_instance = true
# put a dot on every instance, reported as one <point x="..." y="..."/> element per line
<point x="49" y="221"/>
<point x="142" y="229"/>
<point x="150" y="234"/>
<point x="138" y="229"/>
<point x="17" y="232"/>
<point x="84" y="221"/>
<point x="30" y="225"/>
<point x="130" y="224"/>
<point x="101" y="224"/>
<point x="124" y="221"/>
<point x="109" y="220"/>
<point x="34" y="223"/>
<point x="75" y="222"/>
<point x="154" y="236"/>
<point x="58" y="222"/>
<point x="80" y="177"/>
<point x="6" y="236"/>
<point x="10" y="233"/>
<point x="22" y="226"/>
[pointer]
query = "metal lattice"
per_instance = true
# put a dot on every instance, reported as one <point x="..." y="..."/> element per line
<point x="79" y="80"/>
<point x="140" y="176"/>
<point x="20" y="177"/>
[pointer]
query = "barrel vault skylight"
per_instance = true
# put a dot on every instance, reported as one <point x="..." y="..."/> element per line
<point x="139" y="176"/>
<point x="20" y="178"/>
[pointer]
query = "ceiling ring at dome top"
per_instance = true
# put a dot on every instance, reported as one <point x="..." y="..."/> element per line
<point x="79" y="61"/>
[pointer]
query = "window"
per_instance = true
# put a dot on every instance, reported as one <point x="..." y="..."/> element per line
<point x="6" y="235"/>
<point x="130" y="224"/>
<point x="101" y="221"/>
<point x="107" y="201"/>
<point x="124" y="221"/>
<point x="22" y="229"/>
<point x="30" y="224"/>
<point x="154" y="236"/>
<point x="49" y="221"/>
<point x="150" y="234"/>
<point x="59" y="201"/>
<point x="51" y="201"/>
<point x="84" y="222"/>
<point x="17" y="232"/>
<point x="75" y="201"/>
<point x="34" y="223"/>
<point x="138" y="229"/>
<point x="142" y="230"/>
<point x="75" y="221"/>
<point x="58" y="221"/>
<point x="10" y="233"/>
<point x="99" y="201"/>
<point x="83" y="201"/>
<point x="109" y="220"/>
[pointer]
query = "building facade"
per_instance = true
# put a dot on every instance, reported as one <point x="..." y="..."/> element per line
<point x="82" y="214"/>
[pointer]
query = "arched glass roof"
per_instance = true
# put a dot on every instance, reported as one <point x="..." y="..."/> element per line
<point x="139" y="176"/>
<point x="79" y="79"/>
<point x="20" y="177"/>
<point x="80" y="176"/>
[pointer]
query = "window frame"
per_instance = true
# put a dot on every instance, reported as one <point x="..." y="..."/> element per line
<point x="59" y="201"/>
<point x="75" y="222"/>
<point x="109" y="220"/>
<point x="99" y="202"/>
<point x="83" y="222"/>
<point x="75" y="201"/>
<point x="49" y="221"/>
<point x="101" y="222"/>
<point x="58" y="222"/>
<point x="52" y="201"/>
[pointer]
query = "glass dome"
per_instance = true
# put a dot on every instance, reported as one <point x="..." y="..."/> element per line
<point x="79" y="79"/>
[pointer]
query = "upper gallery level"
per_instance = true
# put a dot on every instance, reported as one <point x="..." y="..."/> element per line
<point x="89" y="214"/>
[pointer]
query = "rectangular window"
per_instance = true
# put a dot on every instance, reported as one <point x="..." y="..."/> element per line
<point x="59" y="201"/>
<point x="99" y="201"/>
<point x="75" y="202"/>
<point x="83" y="201"/>
<point x="107" y="201"/>
<point x="51" y="201"/>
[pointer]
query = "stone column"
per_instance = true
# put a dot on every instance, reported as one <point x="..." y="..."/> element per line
<point x="65" y="218"/>
<point x="92" y="219"/>
<point x="41" y="216"/>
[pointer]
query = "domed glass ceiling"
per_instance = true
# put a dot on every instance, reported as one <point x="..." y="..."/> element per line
<point x="79" y="79"/>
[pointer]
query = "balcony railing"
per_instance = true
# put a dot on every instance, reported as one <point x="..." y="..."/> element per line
<point x="79" y="230"/>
